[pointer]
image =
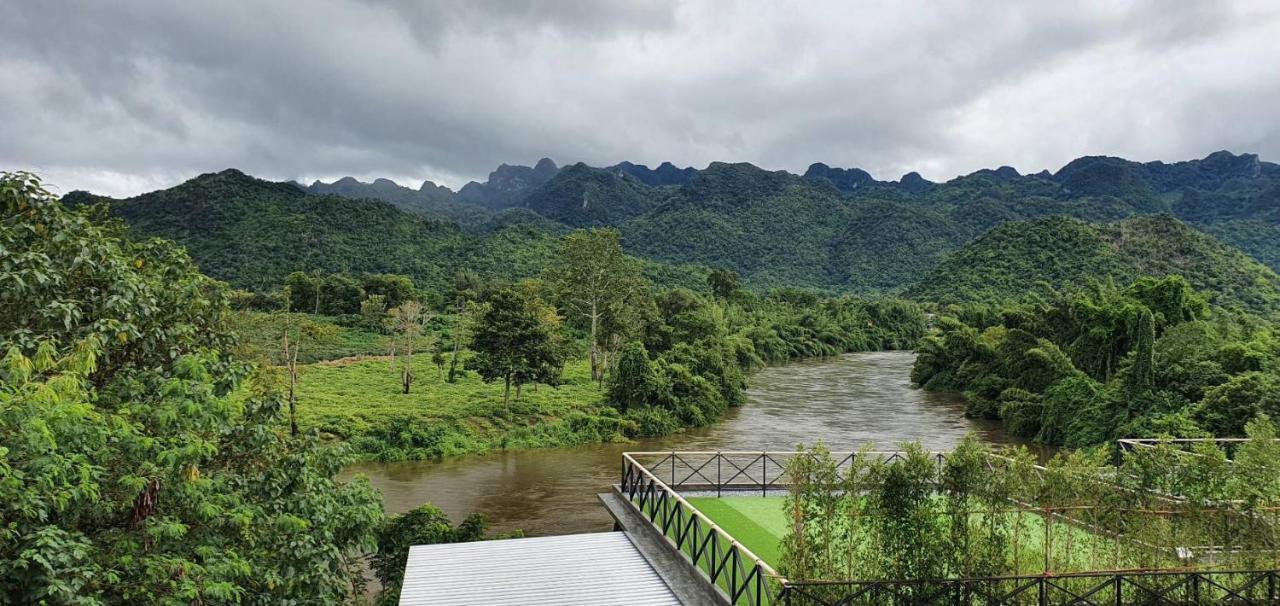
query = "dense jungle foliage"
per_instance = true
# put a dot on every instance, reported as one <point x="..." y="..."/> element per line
<point x="142" y="461"/>
<point x="832" y="229"/>
<point x="1084" y="365"/>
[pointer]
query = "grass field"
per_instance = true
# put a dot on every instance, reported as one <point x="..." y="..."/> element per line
<point x="760" y="523"/>
<point x="360" y="400"/>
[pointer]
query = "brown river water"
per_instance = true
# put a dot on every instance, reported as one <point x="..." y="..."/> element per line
<point x="845" y="402"/>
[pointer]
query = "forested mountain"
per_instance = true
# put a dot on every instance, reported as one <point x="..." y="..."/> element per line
<point x="252" y="233"/>
<point x="836" y="229"/>
<point x="582" y="196"/>
<point x="508" y="185"/>
<point x="430" y="200"/>
<point x="1010" y="260"/>
<point x="665" y="174"/>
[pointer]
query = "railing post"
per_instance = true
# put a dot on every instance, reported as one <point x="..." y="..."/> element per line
<point x="673" y="469"/>
<point x="764" y="474"/>
<point x="719" y="482"/>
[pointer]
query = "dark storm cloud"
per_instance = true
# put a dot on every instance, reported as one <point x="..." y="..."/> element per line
<point x="128" y="96"/>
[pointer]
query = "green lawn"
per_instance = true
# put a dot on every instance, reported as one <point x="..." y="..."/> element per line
<point x="760" y="523"/>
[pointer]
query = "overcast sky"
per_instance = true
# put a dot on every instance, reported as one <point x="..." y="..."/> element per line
<point x="124" y="97"/>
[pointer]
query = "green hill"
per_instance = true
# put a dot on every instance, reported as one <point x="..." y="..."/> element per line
<point x="834" y="229"/>
<point x="431" y="201"/>
<point x="1011" y="259"/>
<point x="252" y="233"/>
<point x="582" y="196"/>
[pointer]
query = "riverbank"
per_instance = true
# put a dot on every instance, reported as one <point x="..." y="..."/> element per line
<point x="845" y="401"/>
<point x="360" y="401"/>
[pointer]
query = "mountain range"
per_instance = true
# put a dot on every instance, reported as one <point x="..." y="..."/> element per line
<point x="836" y="229"/>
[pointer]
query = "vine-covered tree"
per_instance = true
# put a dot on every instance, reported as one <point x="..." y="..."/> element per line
<point x="127" y="473"/>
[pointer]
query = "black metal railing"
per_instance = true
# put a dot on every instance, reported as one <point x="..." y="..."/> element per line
<point x="650" y="482"/>
<point x="742" y="576"/>
<point x="1164" y="588"/>
<point x="737" y="471"/>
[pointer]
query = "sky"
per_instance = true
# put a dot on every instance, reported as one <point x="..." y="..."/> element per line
<point x="129" y="96"/>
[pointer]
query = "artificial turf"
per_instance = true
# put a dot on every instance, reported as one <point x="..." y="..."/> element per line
<point x="760" y="523"/>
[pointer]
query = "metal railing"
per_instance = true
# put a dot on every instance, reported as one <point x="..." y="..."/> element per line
<point x="1096" y="589"/>
<point x="738" y="471"/>
<point x="742" y="576"/>
<point x="650" y="482"/>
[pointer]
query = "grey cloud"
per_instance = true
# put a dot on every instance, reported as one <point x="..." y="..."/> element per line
<point x="141" y="94"/>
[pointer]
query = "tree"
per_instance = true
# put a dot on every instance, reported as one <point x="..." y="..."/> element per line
<point x="395" y="289"/>
<point x="302" y="292"/>
<point x="128" y="473"/>
<point x="515" y="341"/>
<point x="424" y="525"/>
<point x="406" y="324"/>
<point x="437" y="357"/>
<point x="1228" y="408"/>
<point x="341" y="294"/>
<point x="1142" y="372"/>
<point x="594" y="281"/>
<point x="723" y="283"/>
<point x="373" y="311"/>
<point x="465" y="289"/>
<point x="632" y="383"/>
<point x="295" y="330"/>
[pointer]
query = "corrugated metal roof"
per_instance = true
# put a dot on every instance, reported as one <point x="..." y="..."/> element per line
<point x="598" y="569"/>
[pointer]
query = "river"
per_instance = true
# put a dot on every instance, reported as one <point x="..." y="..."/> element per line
<point x="844" y="401"/>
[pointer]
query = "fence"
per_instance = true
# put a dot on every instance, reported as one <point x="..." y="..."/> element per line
<point x="727" y="564"/>
<point x="652" y="481"/>
<point x="1084" y="589"/>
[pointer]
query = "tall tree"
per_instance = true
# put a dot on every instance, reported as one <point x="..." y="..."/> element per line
<point x="407" y="324"/>
<point x="516" y="342"/>
<point x="465" y="289"/>
<point x="723" y="282"/>
<point x="594" y="282"/>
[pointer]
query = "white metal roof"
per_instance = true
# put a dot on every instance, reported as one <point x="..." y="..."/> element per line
<point x="597" y="569"/>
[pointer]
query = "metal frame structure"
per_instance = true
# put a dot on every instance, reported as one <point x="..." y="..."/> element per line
<point x="650" y="482"/>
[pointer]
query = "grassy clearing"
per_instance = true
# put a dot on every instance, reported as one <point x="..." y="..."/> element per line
<point x="260" y="335"/>
<point x="360" y="400"/>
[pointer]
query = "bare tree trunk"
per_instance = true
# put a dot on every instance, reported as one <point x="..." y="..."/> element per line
<point x="291" y="367"/>
<point x="506" y="393"/>
<point x="595" y="322"/>
<point x="518" y="386"/>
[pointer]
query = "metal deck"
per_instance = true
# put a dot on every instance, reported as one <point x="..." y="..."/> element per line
<point x="598" y="569"/>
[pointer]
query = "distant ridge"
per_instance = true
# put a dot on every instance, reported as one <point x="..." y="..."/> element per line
<point x="835" y="229"/>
